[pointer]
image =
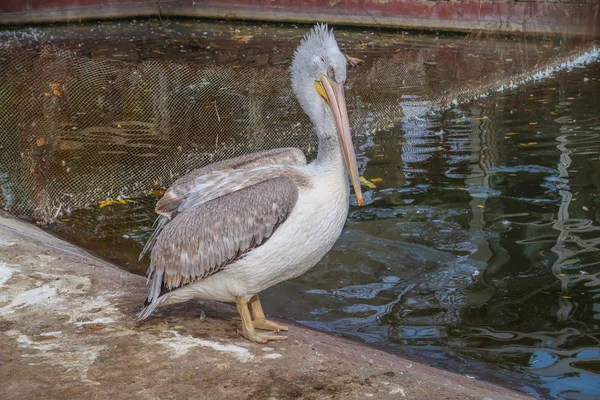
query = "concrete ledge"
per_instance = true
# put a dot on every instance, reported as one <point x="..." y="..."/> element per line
<point x="67" y="332"/>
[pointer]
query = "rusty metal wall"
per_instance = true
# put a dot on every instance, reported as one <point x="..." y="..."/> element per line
<point x="575" y="17"/>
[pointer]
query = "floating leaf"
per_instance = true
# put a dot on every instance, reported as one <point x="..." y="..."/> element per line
<point x="480" y="206"/>
<point x="585" y="208"/>
<point x="40" y="141"/>
<point x="105" y="203"/>
<point x="528" y="144"/>
<point x="533" y="123"/>
<point x="367" y="182"/>
<point x="512" y="133"/>
<point x="512" y="174"/>
<point x="376" y="180"/>
<point x="565" y="297"/>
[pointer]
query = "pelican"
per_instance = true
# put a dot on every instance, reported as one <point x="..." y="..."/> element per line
<point x="234" y="228"/>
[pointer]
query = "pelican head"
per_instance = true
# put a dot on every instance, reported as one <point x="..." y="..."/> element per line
<point x="318" y="76"/>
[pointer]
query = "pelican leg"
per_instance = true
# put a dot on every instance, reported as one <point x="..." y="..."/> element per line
<point x="260" y="321"/>
<point x="248" y="327"/>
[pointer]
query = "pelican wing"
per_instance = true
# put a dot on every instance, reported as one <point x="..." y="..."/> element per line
<point x="191" y="183"/>
<point x="204" y="239"/>
<point x="194" y="184"/>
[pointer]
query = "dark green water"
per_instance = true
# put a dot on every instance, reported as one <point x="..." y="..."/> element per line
<point x="479" y="251"/>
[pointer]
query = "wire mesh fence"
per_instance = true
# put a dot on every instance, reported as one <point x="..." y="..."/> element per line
<point x="82" y="127"/>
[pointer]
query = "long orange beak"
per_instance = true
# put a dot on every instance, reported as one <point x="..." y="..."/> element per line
<point x="333" y="93"/>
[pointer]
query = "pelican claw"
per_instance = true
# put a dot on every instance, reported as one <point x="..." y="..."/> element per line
<point x="262" y="338"/>
<point x="267" y="325"/>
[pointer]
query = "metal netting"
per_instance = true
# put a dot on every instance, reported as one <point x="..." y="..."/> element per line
<point x="77" y="128"/>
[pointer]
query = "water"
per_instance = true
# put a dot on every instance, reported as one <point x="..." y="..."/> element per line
<point x="478" y="251"/>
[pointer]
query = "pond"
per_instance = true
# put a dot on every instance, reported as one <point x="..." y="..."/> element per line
<point x="478" y="250"/>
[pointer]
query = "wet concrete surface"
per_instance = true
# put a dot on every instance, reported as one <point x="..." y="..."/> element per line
<point x="67" y="331"/>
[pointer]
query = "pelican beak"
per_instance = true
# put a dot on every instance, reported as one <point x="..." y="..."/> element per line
<point x="333" y="93"/>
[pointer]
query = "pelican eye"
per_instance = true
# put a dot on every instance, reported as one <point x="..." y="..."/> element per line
<point x="331" y="72"/>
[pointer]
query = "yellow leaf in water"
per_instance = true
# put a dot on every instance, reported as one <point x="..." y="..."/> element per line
<point x="402" y="143"/>
<point x="379" y="155"/>
<point x="585" y="208"/>
<point x="119" y="126"/>
<point x="565" y="297"/>
<point x="553" y="113"/>
<point x="463" y="189"/>
<point x="528" y="144"/>
<point x="105" y="203"/>
<point x="376" y="180"/>
<point x="122" y="201"/>
<point x="480" y="206"/>
<point x="367" y="183"/>
<point x="512" y="174"/>
<point x="570" y="98"/>
<point x="157" y="52"/>
<point x="533" y="123"/>
<point x="70" y="358"/>
<point x="512" y="133"/>
<point x="563" y="274"/>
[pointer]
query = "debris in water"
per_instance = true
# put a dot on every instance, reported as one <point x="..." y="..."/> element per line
<point x="367" y="182"/>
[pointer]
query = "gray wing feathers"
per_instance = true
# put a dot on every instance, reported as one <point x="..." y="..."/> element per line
<point x="158" y="226"/>
<point x="203" y="239"/>
<point x="183" y="188"/>
<point x="168" y="205"/>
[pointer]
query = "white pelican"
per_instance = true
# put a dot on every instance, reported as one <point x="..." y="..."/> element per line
<point x="232" y="229"/>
